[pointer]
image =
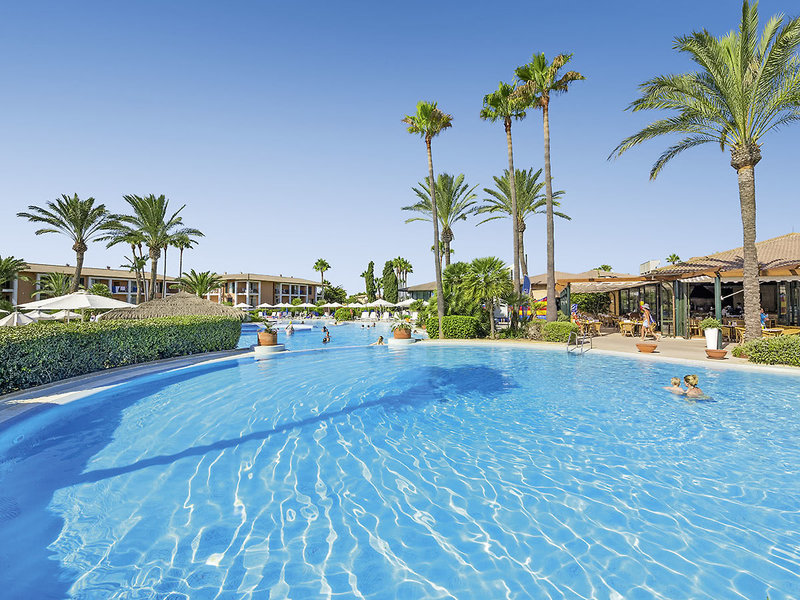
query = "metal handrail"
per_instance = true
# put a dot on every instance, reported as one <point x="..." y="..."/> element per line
<point x="580" y="341"/>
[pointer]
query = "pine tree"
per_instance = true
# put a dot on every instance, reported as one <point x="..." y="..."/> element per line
<point x="370" y="281"/>
<point x="389" y="282"/>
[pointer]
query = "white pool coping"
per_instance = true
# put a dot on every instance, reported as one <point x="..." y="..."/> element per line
<point x="15" y="404"/>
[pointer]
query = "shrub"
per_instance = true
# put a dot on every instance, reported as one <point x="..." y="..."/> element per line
<point x="557" y="331"/>
<point x="38" y="354"/>
<point x="593" y="303"/>
<point x="402" y="326"/>
<point x="781" y="350"/>
<point x="562" y="318"/>
<point x="454" y="327"/>
<point x="344" y="314"/>
<point x="710" y="323"/>
<point x="534" y="329"/>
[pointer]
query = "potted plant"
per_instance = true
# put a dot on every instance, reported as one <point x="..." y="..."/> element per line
<point x="711" y="329"/>
<point x="402" y="331"/>
<point x="268" y="336"/>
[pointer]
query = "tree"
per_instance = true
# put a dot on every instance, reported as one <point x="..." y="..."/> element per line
<point x="530" y="201"/>
<point x="136" y="264"/>
<point x="80" y="220"/>
<point x="322" y="265"/>
<point x="10" y="269"/>
<point x="157" y="229"/>
<point x="334" y="293"/>
<point x="185" y="240"/>
<point x="606" y="268"/>
<point x="200" y="284"/>
<point x="487" y="280"/>
<point x="389" y="283"/>
<point x="441" y="251"/>
<point x="402" y="267"/>
<point x="369" y="280"/>
<point x="454" y="200"/>
<point x="745" y="88"/>
<point x="505" y="105"/>
<point x="428" y="122"/>
<point x="541" y="80"/>
<point x="673" y="259"/>
<point x="100" y="289"/>
<point x="54" y="285"/>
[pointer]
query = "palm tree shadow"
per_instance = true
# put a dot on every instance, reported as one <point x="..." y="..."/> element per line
<point x="55" y="459"/>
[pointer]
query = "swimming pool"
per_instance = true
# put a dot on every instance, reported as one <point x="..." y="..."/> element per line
<point x="422" y="472"/>
<point x="345" y="334"/>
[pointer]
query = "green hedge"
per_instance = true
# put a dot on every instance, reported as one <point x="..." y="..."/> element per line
<point x="781" y="350"/>
<point x="557" y="331"/>
<point x="36" y="354"/>
<point x="344" y="314"/>
<point x="454" y="326"/>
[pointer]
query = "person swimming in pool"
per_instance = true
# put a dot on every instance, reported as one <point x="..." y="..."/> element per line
<point x="289" y="328"/>
<point x="379" y="342"/>
<point x="692" y="391"/>
<point x="675" y="388"/>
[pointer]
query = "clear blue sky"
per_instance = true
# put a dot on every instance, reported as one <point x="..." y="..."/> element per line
<point x="278" y="124"/>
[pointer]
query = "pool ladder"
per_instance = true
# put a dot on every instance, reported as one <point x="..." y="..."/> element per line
<point x="580" y="342"/>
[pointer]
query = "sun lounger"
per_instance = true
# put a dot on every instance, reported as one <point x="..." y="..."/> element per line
<point x="365" y="315"/>
<point x="372" y="315"/>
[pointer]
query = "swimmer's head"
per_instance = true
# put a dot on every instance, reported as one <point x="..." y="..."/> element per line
<point x="691" y="380"/>
<point x="675" y="381"/>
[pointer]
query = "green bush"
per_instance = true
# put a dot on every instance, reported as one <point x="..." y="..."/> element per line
<point x="593" y="303"/>
<point x="562" y="318"/>
<point x="533" y="330"/>
<point x="454" y="327"/>
<point x="344" y="314"/>
<point x="781" y="350"/>
<point x="557" y="331"/>
<point x="36" y="354"/>
<point x="710" y="323"/>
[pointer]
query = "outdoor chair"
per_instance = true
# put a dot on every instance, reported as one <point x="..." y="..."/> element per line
<point x="626" y="329"/>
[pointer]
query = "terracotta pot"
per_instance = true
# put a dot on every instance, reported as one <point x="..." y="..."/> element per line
<point x="717" y="354"/>
<point x="267" y="339"/>
<point x="646" y="347"/>
<point x="402" y="334"/>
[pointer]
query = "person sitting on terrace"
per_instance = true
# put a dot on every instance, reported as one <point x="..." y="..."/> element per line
<point x="764" y="318"/>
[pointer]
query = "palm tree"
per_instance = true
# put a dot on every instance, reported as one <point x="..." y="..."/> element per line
<point x="530" y="201"/>
<point x="174" y="239"/>
<point x="673" y="259"/>
<point x="403" y="267"/>
<point x="200" y="284"/>
<point x="487" y="280"/>
<point x="506" y="105"/>
<point x="321" y="266"/>
<point x="136" y="264"/>
<point x="157" y="229"/>
<point x="428" y="122"/>
<point x="606" y="268"/>
<point x="745" y="88"/>
<point x="454" y="200"/>
<point x="54" y="285"/>
<point x="80" y="220"/>
<point x="185" y="241"/>
<point x="10" y="269"/>
<point x="542" y="80"/>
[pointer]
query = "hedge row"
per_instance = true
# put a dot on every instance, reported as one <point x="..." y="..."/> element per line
<point x="42" y="353"/>
<point x="344" y="314"/>
<point x="454" y="327"/>
<point x="781" y="350"/>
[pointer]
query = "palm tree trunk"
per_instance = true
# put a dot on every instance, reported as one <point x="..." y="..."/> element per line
<point x="523" y="265"/>
<point x="551" y="262"/>
<point x="438" y="259"/>
<point x="750" y="283"/>
<point x="180" y="262"/>
<point x="73" y="286"/>
<point x="164" y="279"/>
<point x="491" y="318"/>
<point x="514" y="215"/>
<point x="446" y="254"/>
<point x="154" y="254"/>
<point x="135" y="270"/>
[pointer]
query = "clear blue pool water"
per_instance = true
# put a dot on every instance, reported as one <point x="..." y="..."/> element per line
<point x="346" y="334"/>
<point x="427" y="472"/>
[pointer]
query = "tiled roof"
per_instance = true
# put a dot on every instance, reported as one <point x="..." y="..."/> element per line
<point x="421" y="287"/>
<point x="540" y="280"/>
<point x="259" y="277"/>
<point x="87" y="271"/>
<point x="774" y="253"/>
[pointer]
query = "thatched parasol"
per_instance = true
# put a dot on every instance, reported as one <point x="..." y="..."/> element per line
<point x="181" y="304"/>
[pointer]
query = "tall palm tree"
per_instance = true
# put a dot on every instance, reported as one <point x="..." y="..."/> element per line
<point x="454" y="201"/>
<point x="174" y="239"/>
<point x="321" y="266"/>
<point x="673" y="259"/>
<point x="530" y="201"/>
<point x="135" y="265"/>
<point x="151" y="218"/>
<point x="80" y="220"/>
<point x="10" y="269"/>
<point x="120" y="233"/>
<point x="428" y="122"/>
<point x="54" y="285"/>
<point x="745" y="87"/>
<point x="185" y="241"/>
<point x="487" y="280"/>
<point x="506" y="105"/>
<point x="200" y="284"/>
<point x="403" y="267"/>
<point x="606" y="268"/>
<point x="541" y="81"/>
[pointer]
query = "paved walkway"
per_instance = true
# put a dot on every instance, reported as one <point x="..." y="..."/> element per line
<point x="694" y="349"/>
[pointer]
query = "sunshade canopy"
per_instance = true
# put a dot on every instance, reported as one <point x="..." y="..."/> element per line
<point x="16" y="319"/>
<point x="77" y="301"/>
